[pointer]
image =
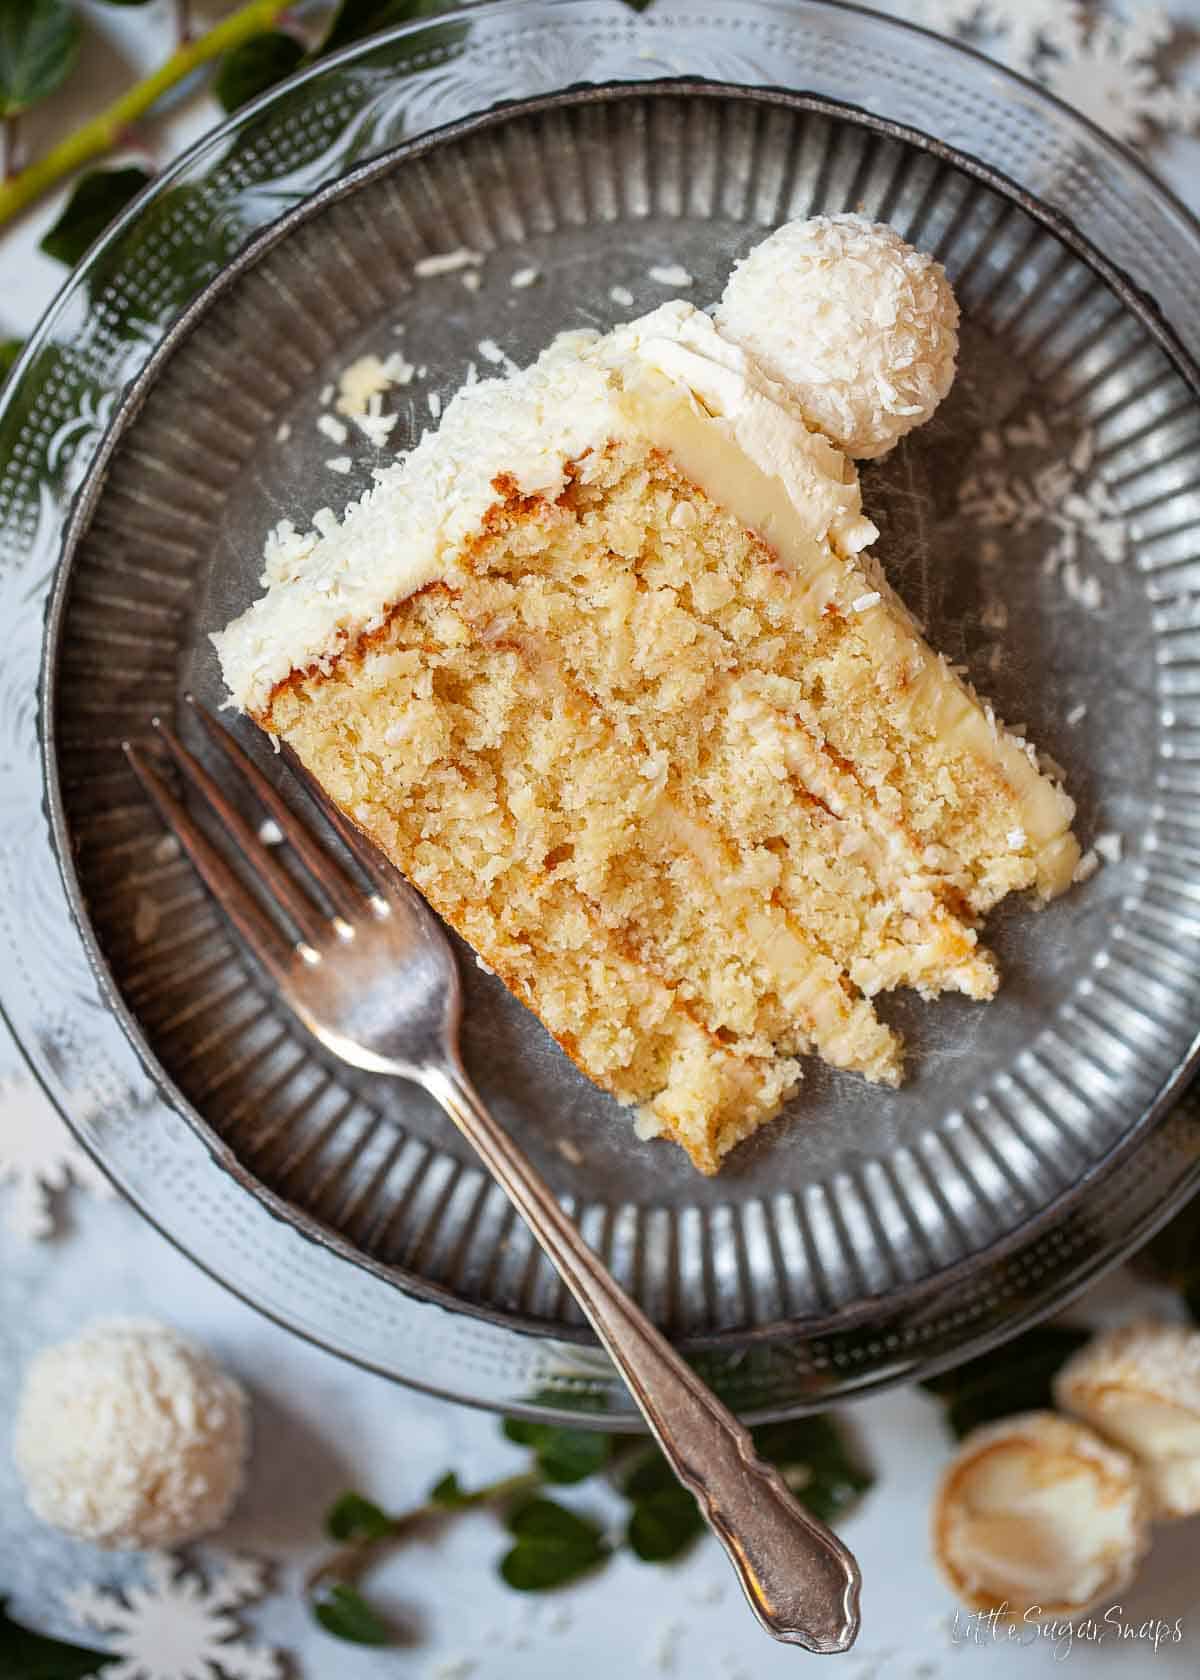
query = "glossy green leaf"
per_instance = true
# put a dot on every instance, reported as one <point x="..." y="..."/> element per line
<point x="817" y="1460"/>
<point x="553" y="1546"/>
<point x="665" y="1518"/>
<point x="95" y="201"/>
<point x="344" y="1612"/>
<point x="355" y="19"/>
<point x="256" y="66"/>
<point x="25" y="1655"/>
<point x="39" y="40"/>
<point x="354" y="1518"/>
<point x="1017" y="1377"/>
<point x="563" y="1455"/>
<point x="10" y="349"/>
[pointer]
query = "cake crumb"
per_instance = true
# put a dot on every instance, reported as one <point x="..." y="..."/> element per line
<point x="569" y="1151"/>
<point x="862" y="602"/>
<point x="1109" y="847"/>
<point x="339" y="463"/>
<point x="1086" y="867"/>
<point x="490" y="351"/>
<point x="165" y="849"/>
<point x="1077" y="714"/>
<point x="622" y="296"/>
<point x="670" y="274"/>
<point x="524" y="277"/>
<point x="446" y="262"/>
<point x="270" y="833"/>
<point x="471" y="281"/>
<point x="332" y="428"/>
<point x="283" y="431"/>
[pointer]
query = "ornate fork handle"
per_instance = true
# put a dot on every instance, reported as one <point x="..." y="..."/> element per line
<point x="802" y="1583"/>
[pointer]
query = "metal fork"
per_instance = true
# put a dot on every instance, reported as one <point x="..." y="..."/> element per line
<point x="376" y="983"/>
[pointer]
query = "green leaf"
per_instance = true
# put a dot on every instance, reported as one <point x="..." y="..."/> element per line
<point x="97" y="198"/>
<point x="553" y="1546"/>
<point x="10" y="349"/>
<point x="25" y="1655"/>
<point x="665" y="1518"/>
<point x="355" y="19"/>
<point x="354" y="1518"/>
<point x="1017" y="1377"/>
<point x="450" y="1493"/>
<point x="818" y="1462"/>
<point x="345" y="1613"/>
<point x="256" y="66"/>
<point x="563" y="1455"/>
<point x="39" y="40"/>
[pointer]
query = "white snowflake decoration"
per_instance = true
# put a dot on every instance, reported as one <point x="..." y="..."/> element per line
<point x="1064" y="495"/>
<point x="38" y="1155"/>
<point x="179" y="1626"/>
<point x="1029" y="26"/>
<point x="1113" y="79"/>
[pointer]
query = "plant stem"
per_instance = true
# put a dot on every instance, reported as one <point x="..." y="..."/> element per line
<point x="350" y="1562"/>
<point x="107" y="130"/>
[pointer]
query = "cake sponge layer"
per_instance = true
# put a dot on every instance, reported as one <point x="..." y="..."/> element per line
<point x="692" y="825"/>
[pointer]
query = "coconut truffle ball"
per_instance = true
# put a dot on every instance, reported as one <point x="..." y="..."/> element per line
<point x="1140" y="1386"/>
<point x="861" y="326"/>
<point x="1038" y="1514"/>
<point x="130" y="1436"/>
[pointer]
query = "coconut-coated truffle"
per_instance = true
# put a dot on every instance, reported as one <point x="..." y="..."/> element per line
<point x="863" y="327"/>
<point x="130" y="1436"/>
<point x="1037" y="1516"/>
<point x="1140" y="1386"/>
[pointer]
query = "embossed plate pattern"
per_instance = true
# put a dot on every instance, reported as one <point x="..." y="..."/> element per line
<point x="863" y="1230"/>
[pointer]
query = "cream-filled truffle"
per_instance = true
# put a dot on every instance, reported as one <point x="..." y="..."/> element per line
<point x="1037" y="1516"/>
<point x="861" y="327"/>
<point x="1140" y="1386"/>
<point x="130" y="1436"/>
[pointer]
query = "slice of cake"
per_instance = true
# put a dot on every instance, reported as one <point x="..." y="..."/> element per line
<point x="605" y="668"/>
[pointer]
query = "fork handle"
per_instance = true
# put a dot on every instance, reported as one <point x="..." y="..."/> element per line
<point x="802" y="1583"/>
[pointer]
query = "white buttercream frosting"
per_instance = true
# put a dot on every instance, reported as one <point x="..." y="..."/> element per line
<point x="668" y="379"/>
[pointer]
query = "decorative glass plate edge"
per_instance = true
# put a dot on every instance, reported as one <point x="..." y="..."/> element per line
<point x="49" y="1045"/>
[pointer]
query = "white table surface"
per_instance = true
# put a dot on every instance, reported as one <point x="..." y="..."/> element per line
<point x="323" y="1426"/>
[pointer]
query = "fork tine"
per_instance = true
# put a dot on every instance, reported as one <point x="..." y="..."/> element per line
<point x="290" y="897"/>
<point x="265" y="940"/>
<point x="323" y="868"/>
<point x="360" y="849"/>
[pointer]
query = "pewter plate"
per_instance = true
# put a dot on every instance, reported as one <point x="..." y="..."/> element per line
<point x="1043" y="526"/>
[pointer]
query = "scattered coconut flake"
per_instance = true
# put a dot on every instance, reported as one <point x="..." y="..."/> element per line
<point x="146" y="917"/>
<point x="270" y="833"/>
<point x="165" y="849"/>
<point x="524" y="277"/>
<point x="333" y="428"/>
<point x="435" y="403"/>
<point x="447" y="262"/>
<point x="646" y="1124"/>
<point x="862" y="602"/>
<point x="490" y="351"/>
<point x="1110" y="847"/>
<point x="471" y="281"/>
<point x="1077" y="714"/>
<point x="326" y="396"/>
<point x="670" y="274"/>
<point x="422" y="371"/>
<point x="339" y="463"/>
<point x="283" y="431"/>
<point x="1086" y="867"/>
<point x="622" y="296"/>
